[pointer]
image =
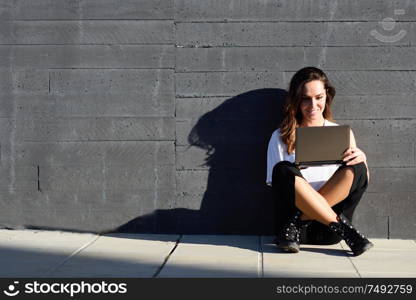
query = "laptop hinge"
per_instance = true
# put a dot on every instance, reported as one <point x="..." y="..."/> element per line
<point x="318" y="163"/>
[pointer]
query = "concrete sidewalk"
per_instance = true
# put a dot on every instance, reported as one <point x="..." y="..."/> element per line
<point x="33" y="253"/>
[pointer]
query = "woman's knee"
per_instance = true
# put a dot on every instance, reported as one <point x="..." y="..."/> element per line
<point x="358" y="169"/>
<point x="283" y="164"/>
<point x="360" y="173"/>
<point x="285" y="169"/>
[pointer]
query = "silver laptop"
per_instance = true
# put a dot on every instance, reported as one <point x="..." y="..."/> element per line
<point x="321" y="145"/>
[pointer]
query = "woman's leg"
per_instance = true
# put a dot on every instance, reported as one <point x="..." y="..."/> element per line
<point x="359" y="186"/>
<point x="288" y="225"/>
<point x="318" y="233"/>
<point x="290" y="185"/>
<point x="311" y="203"/>
<point x="336" y="189"/>
<point x="283" y="181"/>
<point x="317" y="205"/>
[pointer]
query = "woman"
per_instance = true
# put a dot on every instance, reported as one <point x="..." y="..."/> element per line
<point x="325" y="194"/>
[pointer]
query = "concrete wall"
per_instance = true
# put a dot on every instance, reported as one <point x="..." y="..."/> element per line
<point x="154" y="116"/>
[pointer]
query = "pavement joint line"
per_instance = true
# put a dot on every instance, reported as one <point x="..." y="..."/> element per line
<point x="260" y="266"/>
<point x="349" y="258"/>
<point x="54" y="269"/>
<point x="167" y="257"/>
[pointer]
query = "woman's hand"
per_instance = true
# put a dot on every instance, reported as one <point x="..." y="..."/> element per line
<point x="354" y="156"/>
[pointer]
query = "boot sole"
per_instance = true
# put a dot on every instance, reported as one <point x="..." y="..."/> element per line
<point x="289" y="247"/>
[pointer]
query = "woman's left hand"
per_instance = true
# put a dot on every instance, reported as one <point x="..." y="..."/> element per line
<point x="354" y="156"/>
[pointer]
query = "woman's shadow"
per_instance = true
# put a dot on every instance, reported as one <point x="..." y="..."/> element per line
<point x="235" y="136"/>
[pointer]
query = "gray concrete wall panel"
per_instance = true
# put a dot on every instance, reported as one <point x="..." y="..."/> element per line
<point x="87" y="56"/>
<point x="306" y="10"/>
<point x="92" y="9"/>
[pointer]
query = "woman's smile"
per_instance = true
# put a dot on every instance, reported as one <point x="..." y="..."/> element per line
<point x="313" y="103"/>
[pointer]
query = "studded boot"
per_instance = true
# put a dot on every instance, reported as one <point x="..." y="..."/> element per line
<point x="352" y="237"/>
<point x="288" y="237"/>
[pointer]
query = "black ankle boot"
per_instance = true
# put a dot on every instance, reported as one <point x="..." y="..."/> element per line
<point x="352" y="237"/>
<point x="288" y="237"/>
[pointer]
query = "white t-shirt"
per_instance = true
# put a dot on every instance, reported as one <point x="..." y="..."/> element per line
<point x="277" y="151"/>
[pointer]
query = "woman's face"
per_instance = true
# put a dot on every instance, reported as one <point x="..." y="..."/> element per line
<point x="313" y="101"/>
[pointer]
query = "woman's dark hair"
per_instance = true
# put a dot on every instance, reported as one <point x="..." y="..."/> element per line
<point x="292" y="113"/>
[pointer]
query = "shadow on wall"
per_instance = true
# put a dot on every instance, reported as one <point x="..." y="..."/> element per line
<point x="235" y="136"/>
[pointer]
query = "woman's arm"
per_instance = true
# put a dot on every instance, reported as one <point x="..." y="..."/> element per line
<point x="355" y="155"/>
<point x="274" y="155"/>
